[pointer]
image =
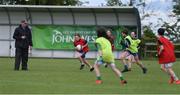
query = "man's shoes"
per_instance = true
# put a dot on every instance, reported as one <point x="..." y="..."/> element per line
<point x="98" y="81"/>
<point x="91" y="69"/>
<point x="81" y="67"/>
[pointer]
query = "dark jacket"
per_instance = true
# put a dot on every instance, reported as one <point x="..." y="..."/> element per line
<point x="22" y="43"/>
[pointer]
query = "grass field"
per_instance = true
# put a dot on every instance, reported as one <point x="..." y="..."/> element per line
<point x="62" y="76"/>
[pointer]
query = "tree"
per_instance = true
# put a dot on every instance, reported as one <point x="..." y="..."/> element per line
<point x="177" y="7"/>
<point x="173" y="30"/>
<point x="126" y="3"/>
<point x="148" y="35"/>
<point x="114" y="3"/>
<point x="131" y="3"/>
<point x="43" y="2"/>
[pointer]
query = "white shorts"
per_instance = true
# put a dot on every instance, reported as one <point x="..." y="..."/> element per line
<point x="168" y="65"/>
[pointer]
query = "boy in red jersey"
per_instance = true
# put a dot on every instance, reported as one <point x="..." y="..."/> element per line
<point x="79" y="41"/>
<point x="166" y="56"/>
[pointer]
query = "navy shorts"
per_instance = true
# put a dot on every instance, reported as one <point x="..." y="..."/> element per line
<point x="83" y="54"/>
<point x="134" y="54"/>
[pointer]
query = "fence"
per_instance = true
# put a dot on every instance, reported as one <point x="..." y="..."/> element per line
<point x="150" y="50"/>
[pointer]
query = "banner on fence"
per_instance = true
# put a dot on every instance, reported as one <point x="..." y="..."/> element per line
<point x="62" y="37"/>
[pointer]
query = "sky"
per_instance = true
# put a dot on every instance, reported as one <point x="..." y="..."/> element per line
<point x="98" y="2"/>
<point x="94" y="2"/>
<point x="160" y="11"/>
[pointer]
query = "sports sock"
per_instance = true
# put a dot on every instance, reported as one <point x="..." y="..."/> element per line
<point x="82" y="63"/>
<point x="121" y="78"/>
<point x="174" y="76"/>
<point x="98" y="77"/>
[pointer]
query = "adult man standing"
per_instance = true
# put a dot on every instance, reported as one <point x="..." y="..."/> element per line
<point x="23" y="42"/>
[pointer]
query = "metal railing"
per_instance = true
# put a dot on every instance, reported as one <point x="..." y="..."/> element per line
<point x="151" y="52"/>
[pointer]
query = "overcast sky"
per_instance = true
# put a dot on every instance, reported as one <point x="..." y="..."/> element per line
<point x="158" y="9"/>
<point x="99" y="2"/>
<point x="94" y="2"/>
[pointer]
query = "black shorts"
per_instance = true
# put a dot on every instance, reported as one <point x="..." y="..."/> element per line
<point x="134" y="54"/>
<point x="83" y="54"/>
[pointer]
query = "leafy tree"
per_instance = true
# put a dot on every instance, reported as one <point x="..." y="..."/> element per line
<point x="177" y="7"/>
<point x="173" y="31"/>
<point x="43" y="2"/>
<point x="148" y="35"/>
<point x="119" y="3"/>
<point x="113" y="3"/>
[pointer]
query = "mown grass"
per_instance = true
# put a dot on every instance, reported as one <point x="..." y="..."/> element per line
<point x="62" y="76"/>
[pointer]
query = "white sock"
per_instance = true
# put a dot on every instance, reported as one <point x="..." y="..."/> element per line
<point x="82" y="63"/>
<point x="175" y="77"/>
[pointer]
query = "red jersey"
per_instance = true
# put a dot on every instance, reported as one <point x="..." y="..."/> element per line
<point x="167" y="55"/>
<point x="82" y="42"/>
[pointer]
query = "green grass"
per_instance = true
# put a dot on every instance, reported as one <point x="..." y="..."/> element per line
<point x="62" y="76"/>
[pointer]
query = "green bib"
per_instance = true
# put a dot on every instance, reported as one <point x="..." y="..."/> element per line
<point x="133" y="46"/>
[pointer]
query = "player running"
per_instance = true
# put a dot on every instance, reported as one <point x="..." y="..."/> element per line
<point x="136" y="57"/>
<point x="105" y="55"/>
<point x="131" y="49"/>
<point x="82" y="53"/>
<point x="166" y="56"/>
<point x="111" y="39"/>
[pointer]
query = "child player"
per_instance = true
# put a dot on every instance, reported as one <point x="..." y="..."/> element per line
<point x="82" y="53"/>
<point x="131" y="49"/>
<point x="111" y="39"/>
<point x="136" y="43"/>
<point x="105" y="55"/>
<point x="166" y="56"/>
